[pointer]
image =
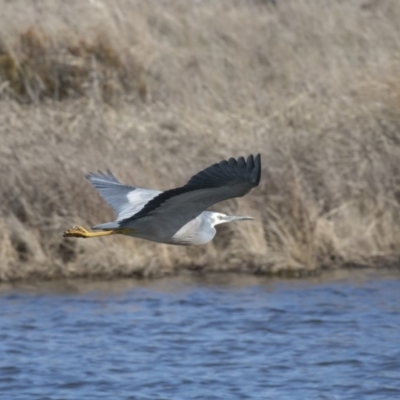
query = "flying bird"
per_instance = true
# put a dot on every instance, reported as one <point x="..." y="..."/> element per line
<point x="177" y="216"/>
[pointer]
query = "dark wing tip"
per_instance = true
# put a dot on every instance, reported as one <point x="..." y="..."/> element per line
<point x="250" y="162"/>
<point x="257" y="168"/>
<point x="252" y="166"/>
<point x="249" y="170"/>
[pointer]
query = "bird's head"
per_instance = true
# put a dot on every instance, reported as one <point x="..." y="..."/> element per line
<point x="219" y="218"/>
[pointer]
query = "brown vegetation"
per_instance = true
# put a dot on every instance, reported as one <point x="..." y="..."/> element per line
<point x="156" y="91"/>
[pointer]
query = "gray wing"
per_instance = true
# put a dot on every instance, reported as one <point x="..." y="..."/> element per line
<point x="221" y="181"/>
<point x="125" y="200"/>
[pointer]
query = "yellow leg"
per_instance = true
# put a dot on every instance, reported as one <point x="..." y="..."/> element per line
<point x="80" y="232"/>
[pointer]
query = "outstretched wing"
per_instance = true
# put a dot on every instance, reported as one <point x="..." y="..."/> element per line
<point x="125" y="200"/>
<point x="221" y="181"/>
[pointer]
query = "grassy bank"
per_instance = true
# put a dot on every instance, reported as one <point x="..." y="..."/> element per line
<point x="156" y="91"/>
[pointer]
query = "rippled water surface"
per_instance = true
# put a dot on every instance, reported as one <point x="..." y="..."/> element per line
<point x="222" y="338"/>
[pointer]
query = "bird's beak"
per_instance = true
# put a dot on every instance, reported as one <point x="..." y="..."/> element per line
<point x="230" y="218"/>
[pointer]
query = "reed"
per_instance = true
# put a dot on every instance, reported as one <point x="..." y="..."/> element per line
<point x="156" y="91"/>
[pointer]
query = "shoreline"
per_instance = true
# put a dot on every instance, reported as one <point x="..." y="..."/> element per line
<point x="207" y="273"/>
<point x="181" y="281"/>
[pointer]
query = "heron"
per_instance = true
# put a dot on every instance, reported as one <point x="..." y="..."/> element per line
<point x="178" y="216"/>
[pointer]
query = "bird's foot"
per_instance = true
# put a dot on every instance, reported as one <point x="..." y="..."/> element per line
<point x="77" y="231"/>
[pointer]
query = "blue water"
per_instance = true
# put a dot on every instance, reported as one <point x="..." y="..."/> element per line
<point x="225" y="337"/>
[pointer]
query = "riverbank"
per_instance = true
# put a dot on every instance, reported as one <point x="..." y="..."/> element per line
<point x="156" y="93"/>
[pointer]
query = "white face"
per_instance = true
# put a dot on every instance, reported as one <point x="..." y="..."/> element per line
<point x="220" y="218"/>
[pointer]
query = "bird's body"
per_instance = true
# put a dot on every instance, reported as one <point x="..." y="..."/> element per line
<point x="199" y="230"/>
<point x="177" y="216"/>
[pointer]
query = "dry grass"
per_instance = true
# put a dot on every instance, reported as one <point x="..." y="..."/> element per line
<point x="157" y="90"/>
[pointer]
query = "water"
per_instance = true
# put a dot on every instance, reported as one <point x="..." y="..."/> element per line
<point x="227" y="338"/>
